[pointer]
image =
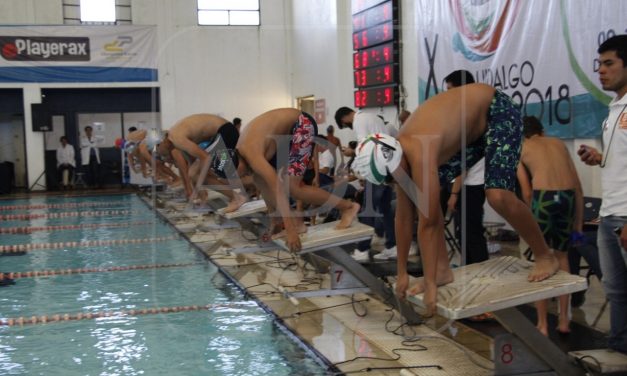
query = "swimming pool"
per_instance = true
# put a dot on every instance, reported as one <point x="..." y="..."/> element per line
<point x="118" y="292"/>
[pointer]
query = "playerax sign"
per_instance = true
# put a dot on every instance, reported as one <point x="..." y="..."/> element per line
<point x="44" y="48"/>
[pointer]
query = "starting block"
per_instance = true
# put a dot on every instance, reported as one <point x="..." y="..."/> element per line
<point x="326" y="235"/>
<point x="247" y="209"/>
<point x="347" y="275"/>
<point x="498" y="286"/>
<point x="603" y="361"/>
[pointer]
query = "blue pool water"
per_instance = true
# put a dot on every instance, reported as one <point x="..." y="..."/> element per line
<point x="231" y="336"/>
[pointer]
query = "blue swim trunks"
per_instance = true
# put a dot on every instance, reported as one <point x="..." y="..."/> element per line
<point x="500" y="145"/>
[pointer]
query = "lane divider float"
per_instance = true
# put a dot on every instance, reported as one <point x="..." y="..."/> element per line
<point x="49" y="273"/>
<point x="60" y="317"/>
<point x="31" y="229"/>
<point x="61" y="205"/>
<point x="21" y="248"/>
<point x="91" y="213"/>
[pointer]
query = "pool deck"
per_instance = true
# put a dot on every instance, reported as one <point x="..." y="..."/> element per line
<point x="335" y="326"/>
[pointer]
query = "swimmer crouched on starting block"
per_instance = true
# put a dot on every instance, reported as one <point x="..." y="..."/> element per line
<point x="427" y="154"/>
<point x="268" y="135"/>
<point x="139" y="147"/>
<point x="196" y="141"/>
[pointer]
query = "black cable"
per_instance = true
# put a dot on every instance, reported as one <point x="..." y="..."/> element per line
<point x="370" y="369"/>
<point x="353" y="301"/>
<point x="296" y="314"/>
<point x="395" y="359"/>
<point x="585" y="366"/>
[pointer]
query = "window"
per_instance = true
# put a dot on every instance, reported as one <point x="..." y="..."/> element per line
<point x="77" y="12"/>
<point x="228" y="12"/>
<point x="98" y="10"/>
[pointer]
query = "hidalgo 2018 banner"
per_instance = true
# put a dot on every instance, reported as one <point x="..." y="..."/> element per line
<point x="78" y="53"/>
<point x="543" y="53"/>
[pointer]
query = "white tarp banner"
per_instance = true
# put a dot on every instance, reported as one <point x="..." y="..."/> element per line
<point x="78" y="53"/>
<point x="540" y="52"/>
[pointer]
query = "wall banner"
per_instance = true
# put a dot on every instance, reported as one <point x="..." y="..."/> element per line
<point x="78" y="53"/>
<point x="540" y="52"/>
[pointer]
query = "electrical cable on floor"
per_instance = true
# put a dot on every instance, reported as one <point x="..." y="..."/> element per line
<point x="296" y="314"/>
<point x="414" y="337"/>
<point x="370" y="369"/>
<point x="354" y="302"/>
<point x="396" y="352"/>
<point x="585" y="366"/>
<point x="251" y="263"/>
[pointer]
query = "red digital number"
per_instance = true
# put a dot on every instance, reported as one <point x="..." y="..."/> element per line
<point x="364" y="38"/>
<point x="387" y="31"/>
<point x="388" y="96"/>
<point x="387" y="54"/>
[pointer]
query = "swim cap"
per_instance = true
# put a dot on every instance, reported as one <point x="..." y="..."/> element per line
<point x="153" y="138"/>
<point x="119" y="143"/>
<point x="377" y="156"/>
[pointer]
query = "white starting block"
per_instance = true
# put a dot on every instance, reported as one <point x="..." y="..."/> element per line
<point x="186" y="226"/>
<point x="247" y="209"/>
<point x="347" y="275"/>
<point x="498" y="286"/>
<point x="326" y="235"/>
<point x="325" y="241"/>
<point x="603" y="361"/>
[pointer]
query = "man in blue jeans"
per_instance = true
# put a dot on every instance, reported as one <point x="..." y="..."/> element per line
<point x="612" y="233"/>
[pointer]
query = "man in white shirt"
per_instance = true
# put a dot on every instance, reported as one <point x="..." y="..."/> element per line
<point x="612" y="233"/>
<point x="90" y="156"/>
<point x="65" y="162"/>
<point x="380" y="196"/>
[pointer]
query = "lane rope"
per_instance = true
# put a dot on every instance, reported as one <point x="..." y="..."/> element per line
<point x="62" y="205"/>
<point x="20" y="248"/>
<point x="48" y="273"/>
<point x="31" y="229"/>
<point x="91" y="213"/>
<point x="60" y="317"/>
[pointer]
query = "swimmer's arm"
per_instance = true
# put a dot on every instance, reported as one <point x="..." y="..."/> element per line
<point x="403" y="228"/>
<point x="430" y="219"/>
<point x="267" y="173"/>
<point x="144" y="159"/>
<point x="525" y="184"/>
<point x="191" y="148"/>
<point x="181" y="165"/>
<point x="130" y="159"/>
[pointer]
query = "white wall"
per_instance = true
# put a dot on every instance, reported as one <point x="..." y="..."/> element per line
<point x="231" y="71"/>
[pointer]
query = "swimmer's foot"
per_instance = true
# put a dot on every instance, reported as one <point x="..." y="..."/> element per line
<point x="348" y="216"/>
<point x="544" y="267"/>
<point x="543" y="329"/>
<point x="563" y="326"/>
<point x="430" y="290"/>
<point x="236" y="202"/>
